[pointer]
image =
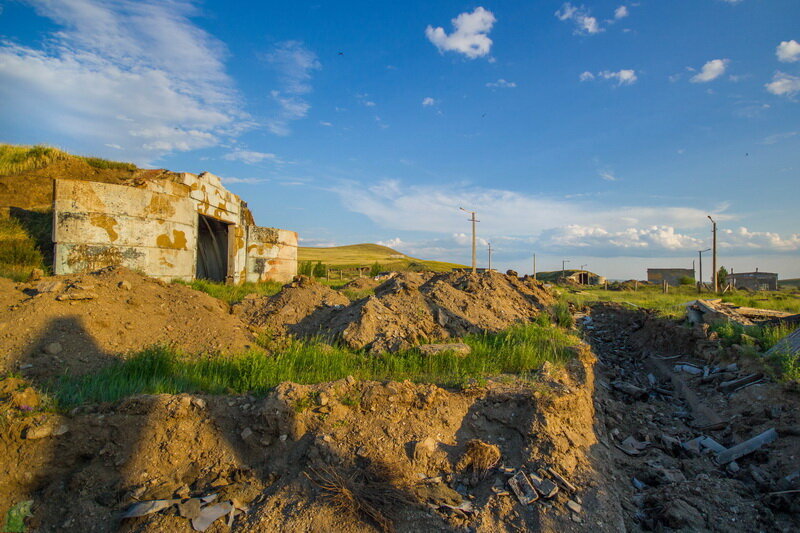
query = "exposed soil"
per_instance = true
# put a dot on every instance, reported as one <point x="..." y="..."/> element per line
<point x="295" y="302"/>
<point x="684" y="489"/>
<point x="356" y="456"/>
<point x="97" y="318"/>
<point x="407" y="309"/>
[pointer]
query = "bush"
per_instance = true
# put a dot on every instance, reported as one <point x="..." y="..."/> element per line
<point x="686" y="280"/>
<point x="319" y="270"/>
<point x="375" y="269"/>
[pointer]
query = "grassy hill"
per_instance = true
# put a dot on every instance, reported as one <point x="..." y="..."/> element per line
<point x="793" y="282"/>
<point x="365" y="255"/>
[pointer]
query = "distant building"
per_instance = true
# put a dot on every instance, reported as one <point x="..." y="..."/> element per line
<point x="757" y="281"/>
<point x="671" y="275"/>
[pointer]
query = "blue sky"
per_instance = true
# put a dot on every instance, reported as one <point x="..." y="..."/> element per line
<point x="599" y="132"/>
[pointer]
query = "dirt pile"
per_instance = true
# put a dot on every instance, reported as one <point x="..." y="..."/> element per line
<point x="342" y="456"/>
<point x="407" y="309"/>
<point x="297" y="300"/>
<point x="79" y="323"/>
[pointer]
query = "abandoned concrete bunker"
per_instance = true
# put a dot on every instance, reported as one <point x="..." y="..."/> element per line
<point x="186" y="226"/>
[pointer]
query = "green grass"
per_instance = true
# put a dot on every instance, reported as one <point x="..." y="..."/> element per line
<point x="519" y="350"/>
<point x="761" y="337"/>
<point x="19" y="253"/>
<point x="671" y="304"/>
<point x="18" y="159"/>
<point x="366" y="255"/>
<point x="232" y="294"/>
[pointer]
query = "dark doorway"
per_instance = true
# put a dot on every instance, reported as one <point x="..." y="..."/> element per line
<point x="212" y="249"/>
<point x="583" y="278"/>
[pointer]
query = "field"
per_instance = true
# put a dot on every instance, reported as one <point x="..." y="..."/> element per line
<point x="365" y="255"/>
<point x="671" y="304"/>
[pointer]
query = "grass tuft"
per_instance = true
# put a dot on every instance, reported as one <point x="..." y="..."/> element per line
<point x="232" y="294"/>
<point x="521" y="351"/>
<point x="17" y="159"/>
<point x="19" y="254"/>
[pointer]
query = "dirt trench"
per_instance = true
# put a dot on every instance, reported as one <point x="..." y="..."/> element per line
<point x="664" y="481"/>
<point x="403" y="449"/>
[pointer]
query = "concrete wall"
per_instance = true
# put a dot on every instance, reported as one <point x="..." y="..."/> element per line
<point x="99" y="224"/>
<point x="756" y="281"/>
<point x="671" y="275"/>
<point x="271" y="254"/>
<point x="152" y="227"/>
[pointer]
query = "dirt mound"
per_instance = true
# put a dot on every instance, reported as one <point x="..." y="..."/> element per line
<point x="79" y="323"/>
<point x="296" y="301"/>
<point x="362" y="284"/>
<point x="408" y="309"/>
<point x="343" y="456"/>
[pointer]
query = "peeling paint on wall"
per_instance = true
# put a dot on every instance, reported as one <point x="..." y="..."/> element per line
<point x="178" y="241"/>
<point x="107" y="223"/>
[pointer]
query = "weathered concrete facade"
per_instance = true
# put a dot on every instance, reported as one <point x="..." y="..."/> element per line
<point x="671" y="275"/>
<point x="757" y="281"/>
<point x="185" y="227"/>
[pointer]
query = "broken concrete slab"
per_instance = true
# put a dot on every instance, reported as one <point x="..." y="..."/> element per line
<point x="543" y="486"/>
<point x="739" y="383"/>
<point x="523" y="488"/>
<point x="562" y="480"/>
<point x="747" y="447"/>
<point x="209" y="514"/>
<point x="148" y="507"/>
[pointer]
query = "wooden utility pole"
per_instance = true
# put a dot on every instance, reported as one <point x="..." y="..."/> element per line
<point x="564" y="267"/>
<point x="714" y="253"/>
<point x="490" y="254"/>
<point x="534" y="266"/>
<point x="472" y="219"/>
<point x="700" y="277"/>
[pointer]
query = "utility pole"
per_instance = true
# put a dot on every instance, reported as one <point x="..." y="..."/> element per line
<point x="700" y="278"/>
<point x="583" y="267"/>
<point x="534" y="266"/>
<point x="490" y="254"/>
<point x="714" y="253"/>
<point x="563" y="267"/>
<point x="473" y="220"/>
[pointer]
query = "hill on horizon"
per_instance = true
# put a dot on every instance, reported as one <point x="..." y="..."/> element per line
<point x="366" y="254"/>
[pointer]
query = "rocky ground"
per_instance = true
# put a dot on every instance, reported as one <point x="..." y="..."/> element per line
<point x="610" y="440"/>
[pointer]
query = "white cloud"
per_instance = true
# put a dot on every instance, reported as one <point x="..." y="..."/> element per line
<point x="325" y="123"/>
<point x="623" y="77"/>
<point x="584" y="23"/>
<point x="783" y="84"/>
<point x="249" y="181"/>
<point x="773" y="139"/>
<point x="470" y="36"/>
<point x="598" y="240"/>
<point x="369" y="103"/>
<point x="294" y="64"/>
<point x="586" y="76"/>
<point x="501" y="83"/>
<point x="608" y="175"/>
<point x="711" y="70"/>
<point x="249" y="157"/>
<point x="621" y="12"/>
<point x="788" y="51"/>
<point x="134" y="74"/>
<point x="428" y="101"/>
<point x="392" y="243"/>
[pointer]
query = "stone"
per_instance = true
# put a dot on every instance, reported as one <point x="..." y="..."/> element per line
<point x="323" y="398"/>
<point x="49" y="286"/>
<point x="76" y="295"/>
<point x="456" y="348"/>
<point x="52" y="348"/>
<point x="424" y="449"/>
<point x="124" y="285"/>
<point x="246" y="433"/>
<point x="513" y="273"/>
<point x="573" y="506"/>
<point x="199" y="403"/>
<point x="49" y="429"/>
<point x="36" y="274"/>
<point x="680" y="515"/>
